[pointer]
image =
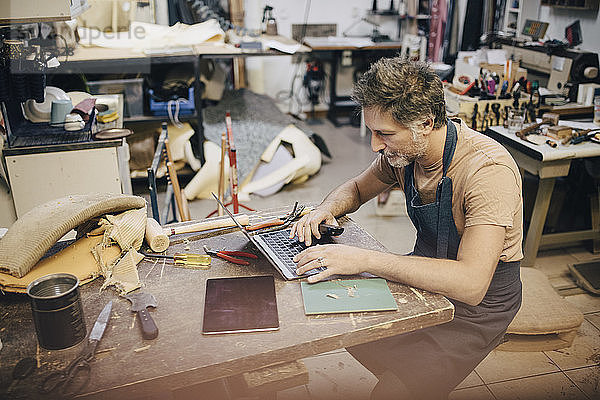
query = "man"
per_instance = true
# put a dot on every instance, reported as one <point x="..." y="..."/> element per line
<point x="463" y="194"/>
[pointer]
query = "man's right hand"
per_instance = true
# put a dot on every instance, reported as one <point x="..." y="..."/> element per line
<point x="308" y="225"/>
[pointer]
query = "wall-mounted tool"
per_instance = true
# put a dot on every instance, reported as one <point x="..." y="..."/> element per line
<point x="485" y="123"/>
<point x="505" y="116"/>
<point x="516" y="97"/>
<point x="496" y="111"/>
<point x="139" y="304"/>
<point x="474" y="116"/>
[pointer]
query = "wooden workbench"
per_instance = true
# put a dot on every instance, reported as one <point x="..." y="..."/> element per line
<point x="548" y="163"/>
<point x="126" y="366"/>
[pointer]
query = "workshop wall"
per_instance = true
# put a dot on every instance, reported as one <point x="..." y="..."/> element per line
<point x="272" y="75"/>
<point x="559" y="18"/>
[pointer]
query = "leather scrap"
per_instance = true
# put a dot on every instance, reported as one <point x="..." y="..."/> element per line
<point x="35" y="232"/>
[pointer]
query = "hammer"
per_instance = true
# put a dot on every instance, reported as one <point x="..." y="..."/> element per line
<point x="547" y="118"/>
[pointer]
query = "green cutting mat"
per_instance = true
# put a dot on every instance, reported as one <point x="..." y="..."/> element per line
<point x="349" y="295"/>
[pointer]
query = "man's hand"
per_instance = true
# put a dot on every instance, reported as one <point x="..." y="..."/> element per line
<point x="336" y="258"/>
<point x="308" y="225"/>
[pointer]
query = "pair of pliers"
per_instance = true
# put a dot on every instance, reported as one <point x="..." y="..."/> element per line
<point x="228" y="255"/>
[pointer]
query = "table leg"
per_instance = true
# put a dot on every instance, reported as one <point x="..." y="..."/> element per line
<point x="332" y="112"/>
<point x="198" y="138"/>
<point x="363" y="127"/>
<point x="538" y="219"/>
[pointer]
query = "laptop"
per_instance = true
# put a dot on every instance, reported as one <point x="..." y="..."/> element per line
<point x="278" y="248"/>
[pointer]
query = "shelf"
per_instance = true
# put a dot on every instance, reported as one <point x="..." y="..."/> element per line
<point x="514" y="10"/>
<point x="392" y="13"/>
<point x="572" y="4"/>
<point x="22" y="12"/>
<point x="156" y="118"/>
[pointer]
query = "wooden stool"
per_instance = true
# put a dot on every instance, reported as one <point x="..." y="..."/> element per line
<point x="545" y="321"/>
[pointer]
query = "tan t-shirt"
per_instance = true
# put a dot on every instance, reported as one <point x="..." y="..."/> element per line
<point x="486" y="186"/>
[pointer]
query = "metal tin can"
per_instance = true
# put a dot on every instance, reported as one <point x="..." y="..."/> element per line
<point x="57" y="311"/>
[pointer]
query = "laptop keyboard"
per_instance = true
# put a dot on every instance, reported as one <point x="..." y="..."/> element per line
<point x="287" y="248"/>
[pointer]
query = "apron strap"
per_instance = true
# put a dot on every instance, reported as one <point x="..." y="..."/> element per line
<point x="449" y="145"/>
<point x="444" y="194"/>
<point x="444" y="217"/>
<point x="408" y="177"/>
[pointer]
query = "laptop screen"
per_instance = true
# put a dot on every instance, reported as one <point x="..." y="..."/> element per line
<point x="233" y="218"/>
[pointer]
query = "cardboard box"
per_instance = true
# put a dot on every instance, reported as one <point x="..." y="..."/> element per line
<point x="463" y="106"/>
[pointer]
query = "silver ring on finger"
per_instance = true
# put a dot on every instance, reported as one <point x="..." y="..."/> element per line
<point x="321" y="262"/>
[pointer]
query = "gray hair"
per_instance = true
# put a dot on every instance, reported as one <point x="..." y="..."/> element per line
<point x="410" y="91"/>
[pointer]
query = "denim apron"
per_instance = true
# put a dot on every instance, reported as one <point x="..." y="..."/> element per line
<point x="432" y="361"/>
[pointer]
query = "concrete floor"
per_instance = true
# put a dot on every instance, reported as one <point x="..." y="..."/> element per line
<point x="571" y="373"/>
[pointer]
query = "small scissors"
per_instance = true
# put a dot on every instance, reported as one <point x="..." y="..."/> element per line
<point x="227" y="255"/>
<point x="76" y="375"/>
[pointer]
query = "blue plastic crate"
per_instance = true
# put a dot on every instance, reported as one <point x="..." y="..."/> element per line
<point x="159" y="108"/>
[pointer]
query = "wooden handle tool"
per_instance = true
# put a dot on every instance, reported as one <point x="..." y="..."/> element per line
<point x="207" y="225"/>
<point x="232" y="163"/>
<point x="139" y="304"/>
<point x="155" y="236"/>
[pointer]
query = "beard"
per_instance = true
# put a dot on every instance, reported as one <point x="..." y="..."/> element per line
<point x="415" y="150"/>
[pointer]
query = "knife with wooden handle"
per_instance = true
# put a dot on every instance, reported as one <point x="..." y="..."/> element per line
<point x="139" y="304"/>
